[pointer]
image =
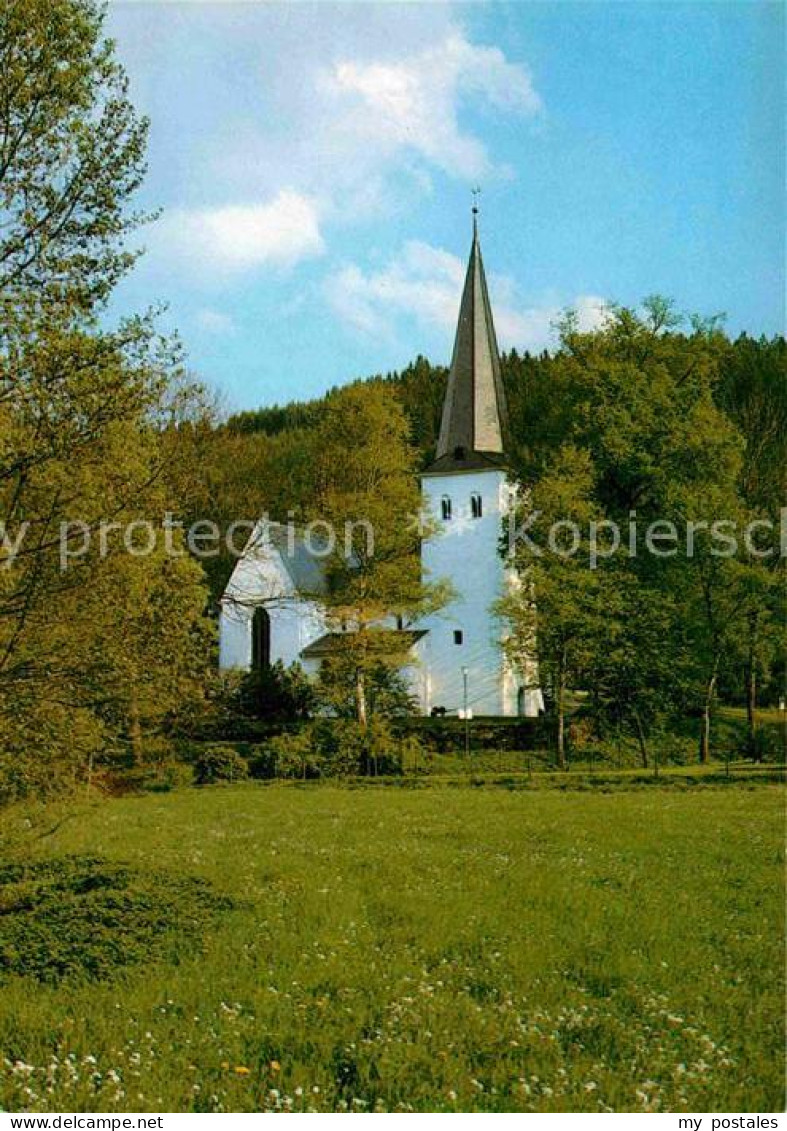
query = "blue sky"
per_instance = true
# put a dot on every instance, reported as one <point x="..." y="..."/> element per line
<point x="314" y="164"/>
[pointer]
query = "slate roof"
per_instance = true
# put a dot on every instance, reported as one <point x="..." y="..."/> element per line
<point x="305" y="564"/>
<point x="475" y="416"/>
<point x="462" y="460"/>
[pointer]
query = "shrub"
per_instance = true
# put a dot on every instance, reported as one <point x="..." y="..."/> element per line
<point x="216" y="763"/>
<point x="171" y="774"/>
<point x="347" y="748"/>
<point x="768" y="745"/>
<point x="261" y="760"/>
<point x="340" y="743"/>
<point x="294" y="755"/>
<point x="414" y="756"/>
<point x="277" y="692"/>
<point x="79" y="918"/>
<point x="336" y="748"/>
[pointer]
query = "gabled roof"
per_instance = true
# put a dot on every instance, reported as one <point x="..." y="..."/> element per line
<point x="305" y="564"/>
<point x="475" y="417"/>
<point x="332" y="643"/>
<point x="301" y="566"/>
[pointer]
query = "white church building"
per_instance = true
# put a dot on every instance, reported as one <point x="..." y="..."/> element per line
<point x="271" y="608"/>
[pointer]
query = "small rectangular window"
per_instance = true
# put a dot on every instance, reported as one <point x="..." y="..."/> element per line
<point x="459" y="636"/>
<point x="476" y="509"/>
<point x="445" y="506"/>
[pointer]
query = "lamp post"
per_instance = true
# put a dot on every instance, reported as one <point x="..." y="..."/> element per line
<point x="465" y="675"/>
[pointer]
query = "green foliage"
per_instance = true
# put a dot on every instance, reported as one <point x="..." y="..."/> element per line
<point x="276" y="693"/>
<point x="364" y="483"/>
<point x="218" y="763"/>
<point x="645" y="440"/>
<point x="103" y="652"/>
<point x="347" y="747"/>
<point x="294" y="755"/>
<point x="752" y="392"/>
<point x="766" y="745"/>
<point x="73" y="155"/>
<point x="339" y="748"/>
<point x="169" y="773"/>
<point x="388" y="692"/>
<point x="79" y="917"/>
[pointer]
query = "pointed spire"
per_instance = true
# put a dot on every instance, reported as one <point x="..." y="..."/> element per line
<point x="475" y="419"/>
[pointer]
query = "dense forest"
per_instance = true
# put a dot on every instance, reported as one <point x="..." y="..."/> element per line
<point x="106" y="645"/>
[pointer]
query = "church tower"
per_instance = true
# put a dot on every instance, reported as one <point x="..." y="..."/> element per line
<point x="467" y="491"/>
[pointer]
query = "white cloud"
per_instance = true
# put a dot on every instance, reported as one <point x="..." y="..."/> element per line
<point x="413" y="103"/>
<point x="215" y="322"/>
<point x="362" y="121"/>
<point x="314" y="127"/>
<point x="425" y="283"/>
<point x="237" y="237"/>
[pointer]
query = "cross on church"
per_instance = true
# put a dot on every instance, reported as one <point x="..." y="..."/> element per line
<point x="476" y="194"/>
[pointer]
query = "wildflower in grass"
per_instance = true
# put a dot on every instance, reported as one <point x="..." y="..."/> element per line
<point x="275" y="1066"/>
<point x="242" y="1070"/>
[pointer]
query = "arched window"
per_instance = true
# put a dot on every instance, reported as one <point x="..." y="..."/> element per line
<point x="445" y="508"/>
<point x="260" y="640"/>
<point x="476" y="509"/>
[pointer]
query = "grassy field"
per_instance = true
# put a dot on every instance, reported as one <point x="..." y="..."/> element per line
<point x="315" y="948"/>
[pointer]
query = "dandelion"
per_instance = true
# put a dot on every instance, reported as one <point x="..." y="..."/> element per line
<point x="242" y="1070"/>
<point x="275" y="1066"/>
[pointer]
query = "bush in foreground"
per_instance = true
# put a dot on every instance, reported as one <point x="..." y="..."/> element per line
<point x="219" y="763"/>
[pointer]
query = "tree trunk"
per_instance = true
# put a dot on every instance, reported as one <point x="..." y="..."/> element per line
<point x="561" y="712"/>
<point x="643" y="742"/>
<point x="706" y="710"/>
<point x="360" y="698"/>
<point x="135" y="731"/>
<point x="751" y="687"/>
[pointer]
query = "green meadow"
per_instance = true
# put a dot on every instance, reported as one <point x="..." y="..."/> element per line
<point x="317" y="948"/>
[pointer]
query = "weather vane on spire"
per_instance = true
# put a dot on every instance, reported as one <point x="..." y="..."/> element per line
<point x="476" y="194"/>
